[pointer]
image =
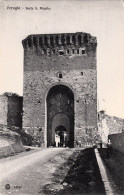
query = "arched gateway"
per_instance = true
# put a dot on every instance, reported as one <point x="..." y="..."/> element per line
<point x="60" y="116"/>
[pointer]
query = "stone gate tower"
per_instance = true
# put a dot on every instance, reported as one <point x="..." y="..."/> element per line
<point x="60" y="89"/>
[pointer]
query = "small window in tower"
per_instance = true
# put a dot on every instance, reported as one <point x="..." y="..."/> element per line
<point x="67" y="51"/>
<point x="73" y="51"/>
<point x="60" y="75"/>
<point x="82" y="73"/>
<point x="61" y="52"/>
<point x="53" y="51"/>
<point x="77" y="51"/>
<point x="44" y="51"/>
<point x="83" y="51"/>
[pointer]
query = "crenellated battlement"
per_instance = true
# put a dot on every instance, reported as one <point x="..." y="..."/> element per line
<point x="53" y="41"/>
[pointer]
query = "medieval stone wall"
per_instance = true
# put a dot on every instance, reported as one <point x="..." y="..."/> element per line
<point x="117" y="141"/>
<point x="3" y="110"/>
<point x="15" y="111"/>
<point x="66" y="59"/>
<point x="10" y="111"/>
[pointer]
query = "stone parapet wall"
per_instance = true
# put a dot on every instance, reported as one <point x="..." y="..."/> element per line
<point x="55" y="40"/>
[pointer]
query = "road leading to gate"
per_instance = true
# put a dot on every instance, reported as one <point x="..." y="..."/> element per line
<point x="12" y="165"/>
<point x="15" y="170"/>
<point x="51" y="171"/>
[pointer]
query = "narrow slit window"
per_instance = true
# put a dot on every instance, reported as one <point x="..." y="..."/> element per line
<point x="67" y="51"/>
<point x="77" y="51"/>
<point x="60" y="75"/>
<point x="53" y="51"/>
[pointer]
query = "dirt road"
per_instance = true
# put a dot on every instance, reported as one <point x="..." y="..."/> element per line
<point x="51" y="171"/>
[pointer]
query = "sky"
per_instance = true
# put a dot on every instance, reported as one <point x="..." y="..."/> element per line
<point x="101" y="18"/>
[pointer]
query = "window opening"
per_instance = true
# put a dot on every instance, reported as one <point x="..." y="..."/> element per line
<point x="67" y="51"/>
<point x="73" y="51"/>
<point x="53" y="51"/>
<point x="60" y="75"/>
<point x="61" y="52"/>
<point x="83" y="51"/>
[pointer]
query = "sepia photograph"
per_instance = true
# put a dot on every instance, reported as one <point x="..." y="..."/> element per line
<point x="62" y="97"/>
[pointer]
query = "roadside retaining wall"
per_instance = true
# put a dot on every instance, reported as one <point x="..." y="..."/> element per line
<point x="117" y="141"/>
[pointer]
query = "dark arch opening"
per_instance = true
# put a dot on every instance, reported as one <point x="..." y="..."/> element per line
<point x="51" y="40"/>
<point x="73" y="39"/>
<point x="57" y="40"/>
<point x="40" y="41"/>
<point x="60" y="116"/>
<point x="79" y="39"/>
<point x="29" y="42"/>
<point x="34" y="41"/>
<point x="85" y="38"/>
<point x="68" y="39"/>
<point x="45" y="40"/>
<point x="62" y="39"/>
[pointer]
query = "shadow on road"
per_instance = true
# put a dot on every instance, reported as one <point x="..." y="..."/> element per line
<point x="78" y="175"/>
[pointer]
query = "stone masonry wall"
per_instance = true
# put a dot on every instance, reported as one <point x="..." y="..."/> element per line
<point x="70" y="64"/>
<point x="117" y="141"/>
<point x="3" y="110"/>
<point x="15" y="111"/>
<point x="10" y="111"/>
